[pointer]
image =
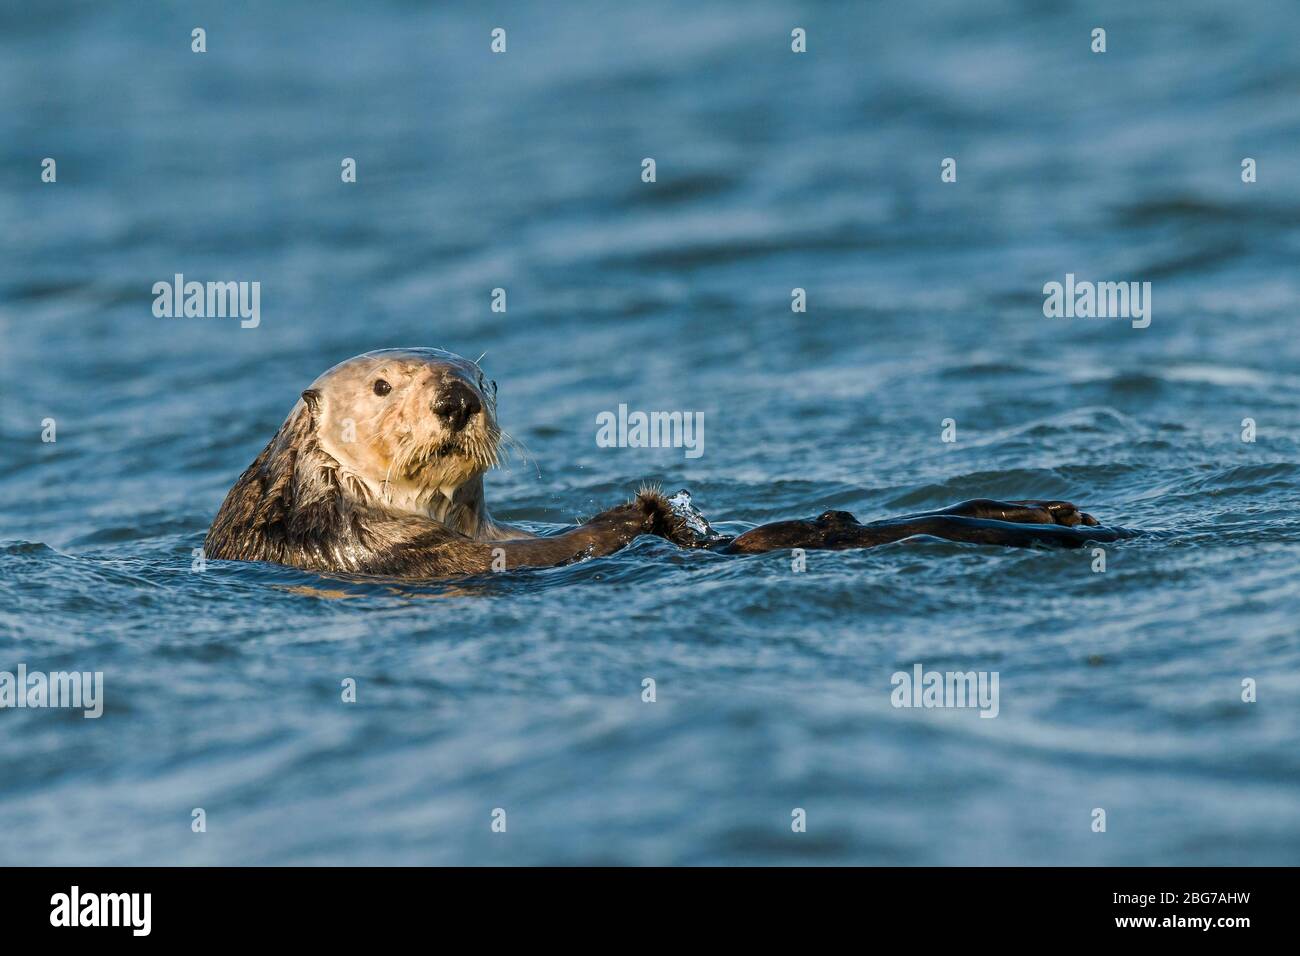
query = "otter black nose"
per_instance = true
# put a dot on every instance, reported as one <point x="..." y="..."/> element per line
<point x="456" y="405"/>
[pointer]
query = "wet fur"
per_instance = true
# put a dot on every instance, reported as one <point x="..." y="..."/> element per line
<point x="297" y="505"/>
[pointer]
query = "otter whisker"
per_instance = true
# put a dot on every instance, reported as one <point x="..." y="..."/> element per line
<point x="525" y="455"/>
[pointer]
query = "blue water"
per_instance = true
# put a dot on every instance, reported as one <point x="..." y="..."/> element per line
<point x="1118" y="690"/>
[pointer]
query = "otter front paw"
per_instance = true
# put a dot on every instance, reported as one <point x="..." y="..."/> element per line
<point x="675" y="519"/>
<point x="647" y="513"/>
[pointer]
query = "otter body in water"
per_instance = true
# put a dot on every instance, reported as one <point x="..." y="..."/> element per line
<point x="378" y="469"/>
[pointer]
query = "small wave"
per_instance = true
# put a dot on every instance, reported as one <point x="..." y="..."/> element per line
<point x="1162" y="211"/>
<point x="23" y="548"/>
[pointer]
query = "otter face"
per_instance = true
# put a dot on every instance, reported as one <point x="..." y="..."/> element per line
<point x="411" y="425"/>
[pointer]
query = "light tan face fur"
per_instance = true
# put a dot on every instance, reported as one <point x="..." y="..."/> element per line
<point x="406" y="455"/>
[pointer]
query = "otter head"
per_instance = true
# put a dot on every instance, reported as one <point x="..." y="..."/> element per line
<point x="411" y="430"/>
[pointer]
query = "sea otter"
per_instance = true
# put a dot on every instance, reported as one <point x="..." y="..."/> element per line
<point x="378" y="469"/>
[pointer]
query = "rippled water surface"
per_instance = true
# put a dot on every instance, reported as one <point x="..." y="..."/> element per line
<point x="1118" y="690"/>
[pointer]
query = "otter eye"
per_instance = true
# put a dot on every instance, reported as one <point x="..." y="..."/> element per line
<point x="382" y="387"/>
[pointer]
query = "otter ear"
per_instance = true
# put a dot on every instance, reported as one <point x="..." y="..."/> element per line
<point x="311" y="397"/>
